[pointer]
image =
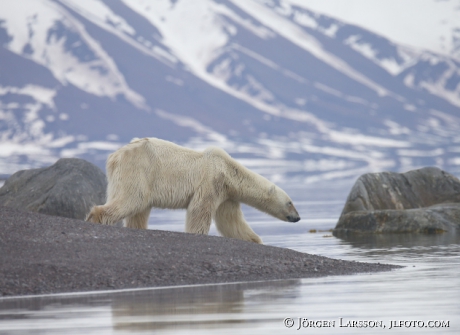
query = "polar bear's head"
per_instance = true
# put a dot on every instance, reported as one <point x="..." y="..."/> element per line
<point x="283" y="208"/>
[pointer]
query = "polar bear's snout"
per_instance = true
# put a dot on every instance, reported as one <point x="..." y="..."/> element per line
<point x="292" y="214"/>
<point x="293" y="218"/>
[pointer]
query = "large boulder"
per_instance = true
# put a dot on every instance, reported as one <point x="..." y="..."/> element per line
<point x="425" y="200"/>
<point x="69" y="188"/>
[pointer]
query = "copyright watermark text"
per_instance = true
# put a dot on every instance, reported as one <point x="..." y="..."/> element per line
<point x="300" y="323"/>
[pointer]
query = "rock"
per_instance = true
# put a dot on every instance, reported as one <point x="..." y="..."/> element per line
<point x="425" y="200"/>
<point x="69" y="188"/>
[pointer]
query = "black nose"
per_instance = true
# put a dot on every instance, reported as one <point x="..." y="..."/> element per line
<point x="293" y="218"/>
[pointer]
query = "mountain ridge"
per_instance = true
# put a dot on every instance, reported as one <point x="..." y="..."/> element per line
<point x="317" y="97"/>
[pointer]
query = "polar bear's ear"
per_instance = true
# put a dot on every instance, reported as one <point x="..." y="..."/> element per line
<point x="272" y="190"/>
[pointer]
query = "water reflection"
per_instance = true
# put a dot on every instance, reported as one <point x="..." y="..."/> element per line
<point x="408" y="241"/>
<point x="187" y="308"/>
<point x="192" y="308"/>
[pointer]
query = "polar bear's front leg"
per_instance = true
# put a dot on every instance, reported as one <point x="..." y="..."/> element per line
<point x="230" y="222"/>
<point x="199" y="215"/>
<point x="105" y="214"/>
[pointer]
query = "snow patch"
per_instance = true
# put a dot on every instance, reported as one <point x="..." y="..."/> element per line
<point x="299" y="37"/>
<point x="434" y="25"/>
<point x="41" y="94"/>
<point x="368" y="50"/>
<point x="189" y="122"/>
<point x="41" y="26"/>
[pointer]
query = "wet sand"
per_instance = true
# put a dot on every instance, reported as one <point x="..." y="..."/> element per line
<point x="42" y="254"/>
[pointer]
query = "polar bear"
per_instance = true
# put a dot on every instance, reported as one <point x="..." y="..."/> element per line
<point x="151" y="172"/>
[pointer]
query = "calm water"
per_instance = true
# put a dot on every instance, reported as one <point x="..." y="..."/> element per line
<point x="426" y="291"/>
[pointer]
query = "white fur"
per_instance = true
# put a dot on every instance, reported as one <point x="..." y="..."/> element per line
<point x="150" y="172"/>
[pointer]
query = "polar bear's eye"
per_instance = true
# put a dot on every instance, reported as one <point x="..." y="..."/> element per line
<point x="289" y="203"/>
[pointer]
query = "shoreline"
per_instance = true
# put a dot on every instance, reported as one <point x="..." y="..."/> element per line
<point x="44" y="255"/>
<point x="139" y="289"/>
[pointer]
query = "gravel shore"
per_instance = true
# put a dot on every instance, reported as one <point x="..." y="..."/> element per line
<point x="42" y="254"/>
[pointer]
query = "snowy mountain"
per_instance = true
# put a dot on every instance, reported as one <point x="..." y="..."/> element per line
<point x="431" y="25"/>
<point x="289" y="92"/>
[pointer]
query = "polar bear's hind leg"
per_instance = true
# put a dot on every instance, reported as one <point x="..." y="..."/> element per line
<point x="139" y="220"/>
<point x="199" y="216"/>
